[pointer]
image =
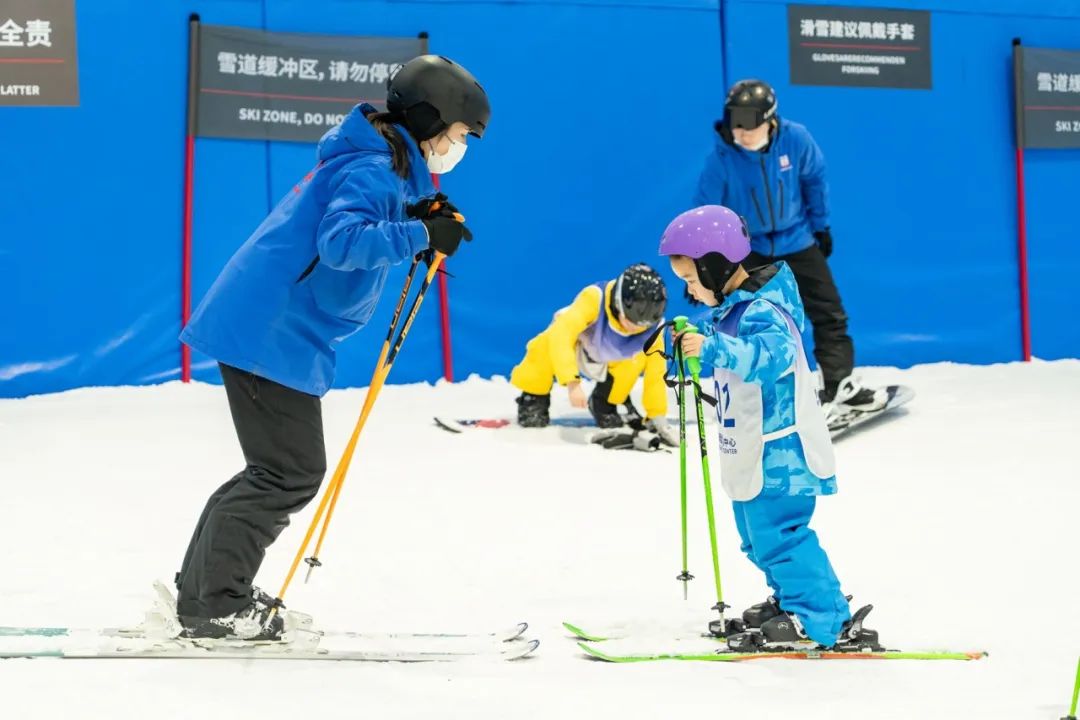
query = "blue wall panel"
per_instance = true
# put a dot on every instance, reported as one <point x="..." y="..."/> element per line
<point x="923" y="188"/>
<point x="585" y="161"/>
<point x="602" y="117"/>
<point x="90" y="243"/>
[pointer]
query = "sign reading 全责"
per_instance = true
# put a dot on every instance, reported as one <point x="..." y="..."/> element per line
<point x="861" y="47"/>
<point x="38" y="61"/>
<point x="290" y="86"/>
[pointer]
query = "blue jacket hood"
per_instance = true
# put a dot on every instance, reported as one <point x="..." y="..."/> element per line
<point x="775" y="283"/>
<point x="357" y="134"/>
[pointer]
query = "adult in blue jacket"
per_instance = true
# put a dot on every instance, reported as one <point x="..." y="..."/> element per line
<point x="770" y="171"/>
<point x="309" y="277"/>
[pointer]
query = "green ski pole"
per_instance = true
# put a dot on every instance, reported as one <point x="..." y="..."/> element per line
<point x="1076" y="694"/>
<point x="680" y="396"/>
<point x="716" y="627"/>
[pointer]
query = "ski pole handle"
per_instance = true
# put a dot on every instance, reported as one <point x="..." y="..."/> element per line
<point x="682" y="325"/>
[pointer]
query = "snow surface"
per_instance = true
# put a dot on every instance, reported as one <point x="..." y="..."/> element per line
<point x="958" y="520"/>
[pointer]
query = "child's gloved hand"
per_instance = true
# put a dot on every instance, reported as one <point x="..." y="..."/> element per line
<point x="691" y="343"/>
<point x="577" y="395"/>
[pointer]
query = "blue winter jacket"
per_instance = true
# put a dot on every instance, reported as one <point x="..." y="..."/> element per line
<point x="312" y="272"/>
<point x="781" y="191"/>
<point x="761" y="351"/>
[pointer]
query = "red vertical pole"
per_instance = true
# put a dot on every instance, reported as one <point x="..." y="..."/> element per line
<point x="444" y="315"/>
<point x="185" y="280"/>
<point x="444" y="308"/>
<point x="189" y="189"/>
<point x="1021" y="210"/>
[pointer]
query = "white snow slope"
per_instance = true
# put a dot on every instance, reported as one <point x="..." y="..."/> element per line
<point x="957" y="519"/>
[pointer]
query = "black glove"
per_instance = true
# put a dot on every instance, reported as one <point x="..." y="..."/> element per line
<point x="433" y="206"/>
<point x="445" y="234"/>
<point x="824" y="241"/>
<point x="625" y="439"/>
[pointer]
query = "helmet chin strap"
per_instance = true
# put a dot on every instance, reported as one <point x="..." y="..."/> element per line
<point x="616" y="299"/>
<point x="715" y="270"/>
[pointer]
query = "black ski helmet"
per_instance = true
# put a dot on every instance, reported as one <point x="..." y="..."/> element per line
<point x="640" y="295"/>
<point x="749" y="104"/>
<point x="433" y="92"/>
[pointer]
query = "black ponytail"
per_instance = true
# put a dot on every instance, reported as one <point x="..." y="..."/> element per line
<point x="384" y="123"/>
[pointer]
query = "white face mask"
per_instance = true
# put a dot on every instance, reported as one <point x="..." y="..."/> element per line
<point x="440" y="164"/>
<point x="756" y="146"/>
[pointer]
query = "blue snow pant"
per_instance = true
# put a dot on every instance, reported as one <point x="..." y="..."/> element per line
<point x="777" y="538"/>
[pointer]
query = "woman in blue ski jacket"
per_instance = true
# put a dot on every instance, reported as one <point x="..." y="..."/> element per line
<point x="308" y="277"/>
<point x="776" y="456"/>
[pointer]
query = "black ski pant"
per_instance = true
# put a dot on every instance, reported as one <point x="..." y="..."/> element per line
<point x="281" y="435"/>
<point x="833" y="348"/>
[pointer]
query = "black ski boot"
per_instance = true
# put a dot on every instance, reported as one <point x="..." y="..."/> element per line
<point x="746" y="642"/>
<point x="633" y="418"/>
<point x="726" y="627"/>
<point x="856" y="638"/>
<point x="252" y="623"/>
<point x="783" y="629"/>
<point x="533" y="410"/>
<point x="757" y="614"/>
<point x="852" y="395"/>
<point x="606" y="415"/>
<point x="780" y="632"/>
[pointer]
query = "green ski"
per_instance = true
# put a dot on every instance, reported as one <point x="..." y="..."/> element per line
<point x="719" y="656"/>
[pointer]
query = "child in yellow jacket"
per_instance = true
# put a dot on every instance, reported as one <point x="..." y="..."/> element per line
<point x="601" y="337"/>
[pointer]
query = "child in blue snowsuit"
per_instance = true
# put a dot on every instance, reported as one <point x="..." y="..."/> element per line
<point x="776" y="456"/>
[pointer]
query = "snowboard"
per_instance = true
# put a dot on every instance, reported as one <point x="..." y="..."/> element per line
<point x="898" y="395"/>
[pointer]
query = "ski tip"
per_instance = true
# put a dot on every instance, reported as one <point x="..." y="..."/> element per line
<point x="581" y="634"/>
<point x="593" y="652"/>
<point x="529" y="649"/>
<point x="519" y="630"/>
<point x="449" y="425"/>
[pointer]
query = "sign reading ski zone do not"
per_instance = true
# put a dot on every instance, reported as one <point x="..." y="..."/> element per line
<point x="1049" y="97"/>
<point x="288" y="86"/>
<point x="860" y="47"/>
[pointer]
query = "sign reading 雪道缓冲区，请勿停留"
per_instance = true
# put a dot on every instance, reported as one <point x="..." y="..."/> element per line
<point x="1047" y="97"/>
<point x="289" y="86"/>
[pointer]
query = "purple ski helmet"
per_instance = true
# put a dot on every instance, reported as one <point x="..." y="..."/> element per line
<point x="714" y="237"/>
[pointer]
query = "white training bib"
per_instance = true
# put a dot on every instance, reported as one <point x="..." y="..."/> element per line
<point x="742" y="438"/>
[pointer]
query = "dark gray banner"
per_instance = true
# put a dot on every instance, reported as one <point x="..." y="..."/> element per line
<point x="1048" y="97"/>
<point x="288" y="86"/>
<point x="38" y="60"/>
<point x="859" y="47"/>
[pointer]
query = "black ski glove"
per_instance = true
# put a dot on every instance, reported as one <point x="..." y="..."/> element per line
<point x="626" y="439"/>
<point x="445" y="234"/>
<point x="824" y="241"/>
<point x="433" y="206"/>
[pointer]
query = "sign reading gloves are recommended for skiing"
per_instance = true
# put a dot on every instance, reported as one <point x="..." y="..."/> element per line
<point x="38" y="63"/>
<point x="862" y="47"/>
